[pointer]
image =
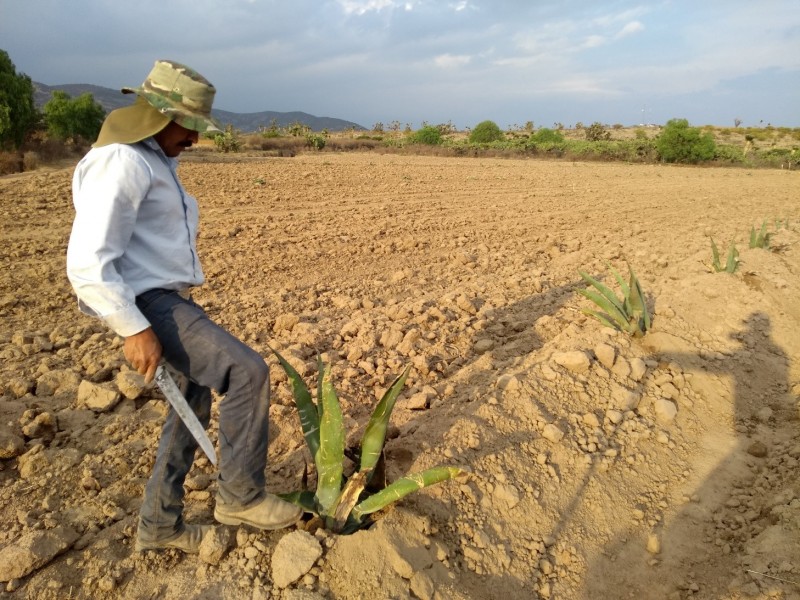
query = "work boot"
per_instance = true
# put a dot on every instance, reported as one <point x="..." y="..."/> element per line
<point x="268" y="513"/>
<point x="187" y="541"/>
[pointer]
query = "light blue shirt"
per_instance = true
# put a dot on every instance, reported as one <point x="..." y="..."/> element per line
<point x="135" y="229"/>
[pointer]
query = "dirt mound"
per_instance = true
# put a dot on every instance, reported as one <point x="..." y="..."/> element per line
<point x="601" y="466"/>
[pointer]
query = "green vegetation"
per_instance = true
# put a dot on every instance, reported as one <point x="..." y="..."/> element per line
<point x="229" y="140"/>
<point x="68" y="119"/>
<point x="759" y="239"/>
<point x="596" y="132"/>
<point x="344" y="503"/>
<point x="428" y="134"/>
<point x="628" y="314"/>
<point x="680" y="143"/>
<point x="485" y="132"/>
<point x="17" y="111"/>
<point x="730" y="264"/>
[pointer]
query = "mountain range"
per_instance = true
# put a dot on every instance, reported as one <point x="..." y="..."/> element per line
<point x="110" y="99"/>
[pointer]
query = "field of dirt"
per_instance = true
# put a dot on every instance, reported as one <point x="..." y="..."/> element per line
<point x="600" y="466"/>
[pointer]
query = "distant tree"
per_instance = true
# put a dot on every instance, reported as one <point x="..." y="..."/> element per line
<point x="678" y="142"/>
<point x="529" y="126"/>
<point x="485" y="132"/>
<point x="596" y="132"/>
<point x="17" y="110"/>
<point x="428" y="134"/>
<point x="737" y="122"/>
<point x="378" y="127"/>
<point x="73" y="119"/>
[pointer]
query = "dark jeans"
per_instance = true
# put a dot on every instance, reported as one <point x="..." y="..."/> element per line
<point x="211" y="358"/>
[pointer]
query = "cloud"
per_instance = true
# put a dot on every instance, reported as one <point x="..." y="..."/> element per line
<point x="630" y="28"/>
<point x="450" y="61"/>
<point x="356" y="7"/>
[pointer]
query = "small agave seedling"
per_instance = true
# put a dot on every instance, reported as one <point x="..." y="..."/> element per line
<point x="730" y="264"/>
<point x="628" y="314"/>
<point x="759" y="239"/>
<point x="342" y="503"/>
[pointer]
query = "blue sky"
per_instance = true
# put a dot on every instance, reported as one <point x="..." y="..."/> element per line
<point x="462" y="61"/>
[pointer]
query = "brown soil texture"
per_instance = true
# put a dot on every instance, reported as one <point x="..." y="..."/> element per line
<point x="600" y="466"/>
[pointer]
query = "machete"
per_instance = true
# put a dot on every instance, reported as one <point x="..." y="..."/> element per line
<point x="170" y="390"/>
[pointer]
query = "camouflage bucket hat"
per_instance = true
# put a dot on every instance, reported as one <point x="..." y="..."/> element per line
<point x="181" y="94"/>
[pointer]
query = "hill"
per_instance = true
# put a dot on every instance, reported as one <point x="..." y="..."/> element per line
<point x="110" y="99"/>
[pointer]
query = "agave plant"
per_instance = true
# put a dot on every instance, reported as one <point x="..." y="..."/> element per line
<point x="628" y="314"/>
<point x="759" y="239"/>
<point x="343" y="503"/>
<point x="730" y="264"/>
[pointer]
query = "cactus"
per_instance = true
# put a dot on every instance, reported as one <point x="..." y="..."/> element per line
<point x="342" y="502"/>
<point x="628" y="314"/>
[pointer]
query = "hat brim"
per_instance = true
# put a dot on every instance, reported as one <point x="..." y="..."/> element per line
<point x="131" y="124"/>
<point x="199" y="122"/>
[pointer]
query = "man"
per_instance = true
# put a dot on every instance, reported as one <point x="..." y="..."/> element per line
<point x="132" y="259"/>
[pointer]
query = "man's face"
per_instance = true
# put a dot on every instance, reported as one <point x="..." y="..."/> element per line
<point x="174" y="139"/>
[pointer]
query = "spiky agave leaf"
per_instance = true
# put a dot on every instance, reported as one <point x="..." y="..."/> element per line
<point x="733" y="259"/>
<point x="715" y="264"/>
<point x="306" y="409"/>
<point x="403" y="487"/>
<point x="609" y="295"/>
<point x="638" y="304"/>
<point x="330" y="455"/>
<point x="304" y="499"/>
<point x="375" y="433"/>
<point x="613" y="310"/>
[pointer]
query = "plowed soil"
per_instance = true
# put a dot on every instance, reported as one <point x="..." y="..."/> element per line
<point x="600" y="465"/>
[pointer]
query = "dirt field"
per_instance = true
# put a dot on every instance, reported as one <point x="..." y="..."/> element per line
<point x="601" y="466"/>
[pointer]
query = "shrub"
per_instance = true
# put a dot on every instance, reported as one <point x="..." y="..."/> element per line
<point x="683" y="144"/>
<point x="69" y="119"/>
<point x="485" y="132"/>
<point x="546" y="136"/>
<point x="315" y="141"/>
<point x="428" y="134"/>
<point x="17" y="109"/>
<point x="596" y="132"/>
<point x="228" y="141"/>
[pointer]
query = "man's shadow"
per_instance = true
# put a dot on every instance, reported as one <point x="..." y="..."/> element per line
<point x="712" y="533"/>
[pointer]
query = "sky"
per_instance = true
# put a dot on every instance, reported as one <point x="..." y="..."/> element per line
<point x="427" y="61"/>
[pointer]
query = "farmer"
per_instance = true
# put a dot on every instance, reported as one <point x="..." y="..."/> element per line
<point x="132" y="260"/>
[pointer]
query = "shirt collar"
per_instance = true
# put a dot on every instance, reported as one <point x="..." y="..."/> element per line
<point x="153" y="145"/>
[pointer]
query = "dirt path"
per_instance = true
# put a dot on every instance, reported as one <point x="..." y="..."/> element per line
<point x="601" y="466"/>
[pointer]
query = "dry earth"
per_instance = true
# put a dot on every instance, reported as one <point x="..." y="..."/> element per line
<point x="601" y="466"/>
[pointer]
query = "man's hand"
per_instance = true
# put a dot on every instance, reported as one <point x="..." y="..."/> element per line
<point x="143" y="351"/>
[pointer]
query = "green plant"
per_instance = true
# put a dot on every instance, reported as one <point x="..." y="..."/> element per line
<point x="485" y="132"/>
<point x="69" y="119"/>
<point x="596" y="132"/>
<point x="17" y="109"/>
<point x="228" y="141"/>
<point x="342" y="503"/>
<point x="315" y="141"/>
<point x="730" y="264"/>
<point x="546" y="136"/>
<point x="427" y="134"/>
<point x="759" y="239"/>
<point x="683" y="144"/>
<point x="628" y="314"/>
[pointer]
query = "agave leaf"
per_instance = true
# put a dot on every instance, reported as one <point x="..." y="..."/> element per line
<point x="603" y="319"/>
<point x="402" y="487"/>
<point x="614" y="311"/>
<point x="638" y="301"/>
<point x="626" y="292"/>
<point x="304" y="499"/>
<point x="347" y="500"/>
<point x="306" y="409"/>
<point x="375" y="433"/>
<point x="715" y="257"/>
<point x="733" y="259"/>
<point x="330" y="455"/>
<point x="607" y="293"/>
